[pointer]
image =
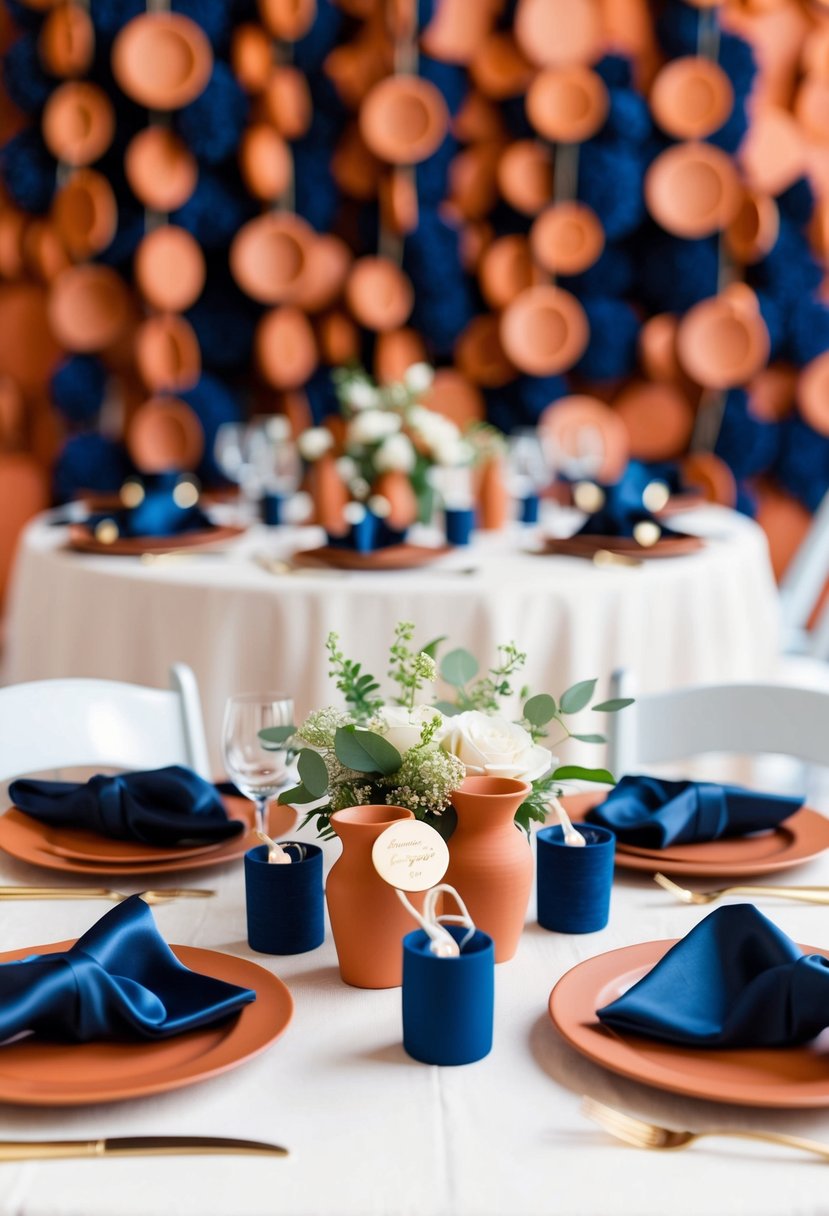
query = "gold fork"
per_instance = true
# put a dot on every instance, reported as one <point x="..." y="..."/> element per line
<point x="150" y="897"/>
<point x="650" y="1135"/>
<point x="803" y="895"/>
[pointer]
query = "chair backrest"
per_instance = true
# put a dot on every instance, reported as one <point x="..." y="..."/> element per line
<point x="54" y="724"/>
<point x="802" y="584"/>
<point x="738" y="719"/>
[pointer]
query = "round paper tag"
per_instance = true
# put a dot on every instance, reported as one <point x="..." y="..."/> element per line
<point x="410" y="855"/>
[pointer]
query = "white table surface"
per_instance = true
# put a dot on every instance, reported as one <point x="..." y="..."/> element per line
<point x="373" y="1133"/>
<point x="712" y="616"/>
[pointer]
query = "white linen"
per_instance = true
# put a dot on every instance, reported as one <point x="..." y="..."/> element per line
<point x="712" y="616"/>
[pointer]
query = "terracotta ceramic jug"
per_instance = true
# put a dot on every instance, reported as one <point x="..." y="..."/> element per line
<point x="493" y="496"/>
<point x="368" y="920"/>
<point x="490" y="862"/>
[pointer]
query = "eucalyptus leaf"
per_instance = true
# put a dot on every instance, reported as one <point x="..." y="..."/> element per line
<point x="365" y="751"/>
<point x="459" y="667"/>
<point x="589" y="738"/>
<point x="273" y="738"/>
<point x="297" y="796"/>
<point x="613" y="705"/>
<point x="431" y="648"/>
<point x="540" y="710"/>
<point x="312" y="771"/>
<point x="574" y="772"/>
<point x="577" y="696"/>
<point x="448" y="708"/>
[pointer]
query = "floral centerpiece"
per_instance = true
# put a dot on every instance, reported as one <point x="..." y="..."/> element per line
<point x="402" y="751"/>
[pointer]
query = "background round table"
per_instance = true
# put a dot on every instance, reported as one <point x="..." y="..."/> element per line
<point x="711" y="616"/>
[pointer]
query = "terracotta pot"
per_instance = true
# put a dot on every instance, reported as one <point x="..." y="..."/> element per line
<point x="164" y="434"/>
<point x="12" y="415"/>
<point x="162" y="60"/>
<point x="544" y="331"/>
<point x="472" y="180"/>
<point x="24" y="492"/>
<point x="500" y="69"/>
<point x="525" y="175"/>
<point x="693" y="190"/>
<point x="395" y="352"/>
<point x="328" y="494"/>
<point x="754" y="230"/>
<point x="88" y="308"/>
<point x="711" y="475"/>
<point x="813" y="393"/>
<point x="457" y="29"/>
<point x="659" y="420"/>
<point x="563" y="423"/>
<point x="355" y="169"/>
<point x="657" y="348"/>
<point x="811" y="107"/>
<point x="506" y="269"/>
<point x="12" y="228"/>
<point x="78" y="122"/>
<point x="404" y="119"/>
<point x="169" y="269"/>
<point x="378" y="294"/>
<point x="492" y="497"/>
<point x="567" y="105"/>
<point x="368" y="921"/>
<point x="567" y="238"/>
<point x="480" y="355"/>
<point x="66" y="42"/>
<point x="29" y="351"/>
<point x="329" y="260"/>
<point x="554" y="32"/>
<point x="285" y="347"/>
<point x="286" y="102"/>
<point x="772" y="392"/>
<point x="773" y="154"/>
<point x="396" y="488"/>
<point x="161" y="170"/>
<point x="455" y="397"/>
<point x="490" y="860"/>
<point x="265" y="162"/>
<point x="723" y="341"/>
<point x="478" y="121"/>
<point x="287" y="19"/>
<point x="397" y="196"/>
<point x="251" y="57"/>
<point x="167" y="354"/>
<point x="338" y="339"/>
<point x="85" y="213"/>
<point x="269" y="257"/>
<point x="691" y="97"/>
<point x="44" y="253"/>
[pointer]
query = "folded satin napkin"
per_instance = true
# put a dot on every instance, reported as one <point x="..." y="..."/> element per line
<point x="623" y="506"/>
<point x="736" y="980"/>
<point x="158" y="513"/>
<point x="120" y="980"/>
<point x="165" y="806"/>
<point x="652" y="814"/>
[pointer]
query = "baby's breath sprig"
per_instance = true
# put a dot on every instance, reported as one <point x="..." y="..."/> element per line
<point x="409" y="669"/>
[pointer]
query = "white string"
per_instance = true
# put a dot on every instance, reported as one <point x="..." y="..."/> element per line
<point x="441" y="942"/>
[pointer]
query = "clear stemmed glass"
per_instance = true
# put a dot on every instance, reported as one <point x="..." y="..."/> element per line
<point x="527" y="467"/>
<point x="258" y="773"/>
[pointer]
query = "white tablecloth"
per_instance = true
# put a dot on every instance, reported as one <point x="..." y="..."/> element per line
<point x="372" y="1133"/>
<point x="712" y="616"/>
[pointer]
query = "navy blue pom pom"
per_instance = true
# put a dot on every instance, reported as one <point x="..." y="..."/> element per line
<point x="108" y="16"/>
<point x="214" y="17"/>
<point x="613" y="274"/>
<point x="790" y="270"/>
<point x="77" y="388"/>
<point x="674" y="274"/>
<point x="431" y="174"/>
<point x="502" y="407"/>
<point x="450" y="79"/>
<point x="224" y="321"/>
<point x="212" y="124"/>
<point x="797" y="202"/>
<point x="315" y="193"/>
<point x="803" y="464"/>
<point x="28" y="171"/>
<point x="214" y="404"/>
<point x="321" y="395"/>
<point x="615" y="71"/>
<point x="746" y="444"/>
<point x="322" y="37"/>
<point x="629" y="117"/>
<point x="535" y="393"/>
<point x="808" y="329"/>
<point x="23" y="77"/>
<point x="733" y="131"/>
<point x="215" y="210"/>
<point x="90" y="462"/>
<point x="610" y="181"/>
<point x="737" y="60"/>
<point x="128" y="234"/>
<point x="614" y="330"/>
<point x="443" y="298"/>
<point x="774" y="316"/>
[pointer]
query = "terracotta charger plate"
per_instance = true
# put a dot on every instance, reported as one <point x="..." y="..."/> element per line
<point x="83" y="540"/>
<point x="392" y="557"/>
<point x="621" y="546"/>
<point x="38" y="1073"/>
<point x="782" y="1078"/>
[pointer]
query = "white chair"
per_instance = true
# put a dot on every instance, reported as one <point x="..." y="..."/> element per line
<point x="740" y="719"/>
<point x="54" y="724"/>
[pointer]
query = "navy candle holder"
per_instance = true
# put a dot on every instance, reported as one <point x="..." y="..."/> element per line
<point x="574" y="883"/>
<point x="448" y="1002"/>
<point x="273" y="508"/>
<point x="528" y="509"/>
<point x="284" y="902"/>
<point x="459" y="524"/>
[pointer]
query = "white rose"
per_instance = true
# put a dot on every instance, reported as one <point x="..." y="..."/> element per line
<point x="395" y="454"/>
<point x="315" y="442"/>
<point x="493" y="747"/>
<point x="401" y="726"/>
<point x="418" y="378"/>
<point x="373" y="426"/>
<point x="361" y="395"/>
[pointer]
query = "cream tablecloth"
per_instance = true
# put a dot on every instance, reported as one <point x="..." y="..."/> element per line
<point x="708" y="617"/>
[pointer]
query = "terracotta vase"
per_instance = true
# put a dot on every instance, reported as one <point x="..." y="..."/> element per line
<point x="368" y="921"/>
<point x="490" y="862"/>
<point x="493" y="497"/>
<point x="329" y="495"/>
<point x="396" y="487"/>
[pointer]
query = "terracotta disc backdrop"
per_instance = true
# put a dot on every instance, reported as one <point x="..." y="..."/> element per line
<point x="24" y="491"/>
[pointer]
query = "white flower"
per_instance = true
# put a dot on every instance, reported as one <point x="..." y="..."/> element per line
<point x="361" y="395"/>
<point x="401" y="726"/>
<point x="373" y="426"/>
<point x="492" y="747"/>
<point x="354" y="513"/>
<point x="418" y="378"/>
<point x="315" y="442"/>
<point x="347" y="468"/>
<point x="452" y="452"/>
<point x="395" y="453"/>
<point x="433" y="428"/>
<point x="359" y="488"/>
<point x="379" y="506"/>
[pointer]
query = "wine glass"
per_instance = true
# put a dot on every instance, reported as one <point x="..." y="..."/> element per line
<point x="527" y="467"/>
<point x="258" y="773"/>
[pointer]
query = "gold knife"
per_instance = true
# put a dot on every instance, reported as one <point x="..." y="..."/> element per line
<point x="162" y="895"/>
<point x="135" y="1146"/>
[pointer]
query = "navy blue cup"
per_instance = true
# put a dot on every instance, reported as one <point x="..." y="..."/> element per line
<point x="574" y="883"/>
<point x="284" y="902"/>
<point x="448" y="1002"/>
<point x="528" y="509"/>
<point x="459" y="524"/>
<point x="273" y="508"/>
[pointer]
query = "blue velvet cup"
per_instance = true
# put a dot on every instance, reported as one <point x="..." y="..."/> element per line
<point x="528" y="509"/>
<point x="459" y="524"/>
<point x="284" y="902"/>
<point x="273" y="508"/>
<point x="574" y="884"/>
<point x="448" y="1003"/>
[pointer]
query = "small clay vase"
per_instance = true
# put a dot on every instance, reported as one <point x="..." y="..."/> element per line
<point x="397" y="196"/>
<point x="161" y="170"/>
<point x="493" y="500"/>
<point x="85" y="214"/>
<point x="490" y="861"/>
<point x="657" y="348"/>
<point x="368" y="921"/>
<point x="338" y="339"/>
<point x="66" y="42"/>
<point x="285" y="347"/>
<point x="78" y="122"/>
<point x="167" y="353"/>
<point x="378" y="294"/>
<point x="506" y="268"/>
<point x="404" y="119"/>
<point x="170" y="269"/>
<point x="162" y="60"/>
<point x="329" y="495"/>
<point x="265" y="162"/>
<point x="525" y="175"/>
<point x="394" y="354"/>
<point x="251" y="57"/>
<point x="554" y="32"/>
<point x="396" y="487"/>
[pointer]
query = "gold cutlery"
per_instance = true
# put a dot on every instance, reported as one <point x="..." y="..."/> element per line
<point x="135" y="1146"/>
<point x="605" y="557"/>
<point x="162" y="896"/>
<point x="651" y="1135"/>
<point x="803" y="895"/>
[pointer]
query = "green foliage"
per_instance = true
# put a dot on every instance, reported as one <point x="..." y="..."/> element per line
<point x="577" y="697"/>
<point x="312" y="772"/>
<point x="358" y="687"/>
<point x="274" y="738"/>
<point x="613" y="705"/>
<point x="410" y="669"/>
<point x="540" y="710"/>
<point x="458" y="667"/>
<point x="366" y="752"/>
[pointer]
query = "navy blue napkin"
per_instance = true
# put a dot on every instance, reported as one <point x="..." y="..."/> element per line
<point x="158" y="513"/>
<point x="165" y="806"/>
<point x="652" y="814"/>
<point x="623" y="506"/>
<point x="120" y="980"/>
<point x="736" y="980"/>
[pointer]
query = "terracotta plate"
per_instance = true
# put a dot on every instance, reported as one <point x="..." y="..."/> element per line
<point x="36" y="1073"/>
<point x="625" y="546"/>
<point x="83" y="540"/>
<point x="783" y="1078"/>
<point x="79" y="852"/>
<point x="393" y="557"/>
